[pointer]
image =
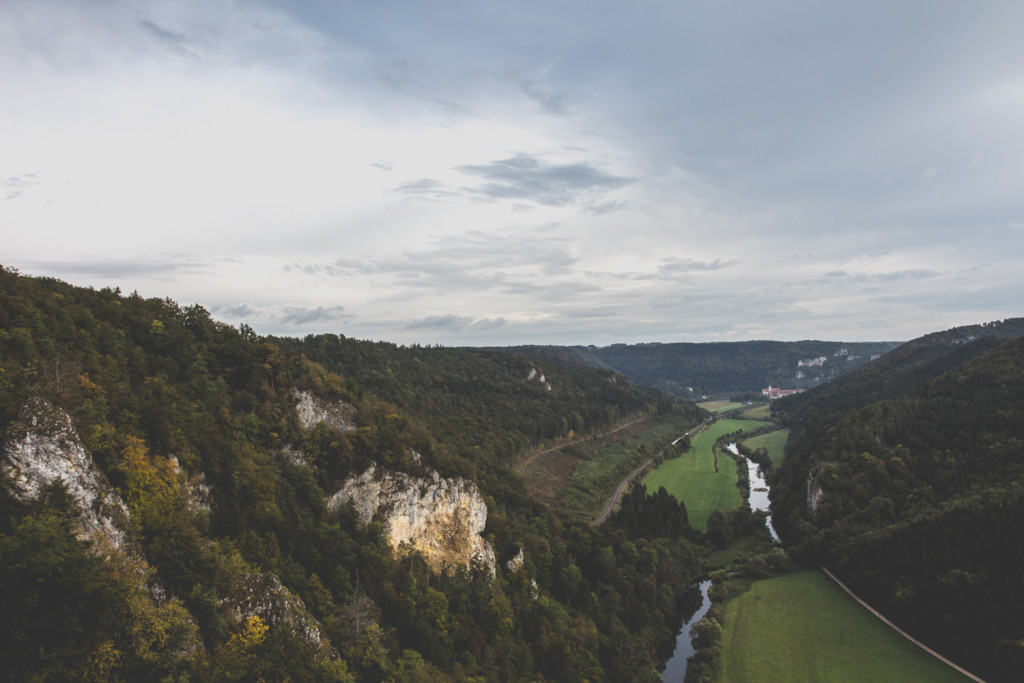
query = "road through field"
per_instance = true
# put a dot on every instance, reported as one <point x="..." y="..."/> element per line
<point x="603" y="517"/>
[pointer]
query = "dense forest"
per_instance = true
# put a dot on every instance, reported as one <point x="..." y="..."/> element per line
<point x="906" y="477"/>
<point x="168" y="402"/>
<point x="721" y="368"/>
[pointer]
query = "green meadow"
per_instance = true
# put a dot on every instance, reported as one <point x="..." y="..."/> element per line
<point x="719" y="406"/>
<point x="773" y="442"/>
<point x="802" y="627"/>
<point x="692" y="479"/>
<point x="761" y="412"/>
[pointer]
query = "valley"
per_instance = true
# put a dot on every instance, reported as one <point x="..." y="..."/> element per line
<point x="333" y="509"/>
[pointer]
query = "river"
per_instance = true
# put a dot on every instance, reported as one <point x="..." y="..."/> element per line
<point x="675" y="669"/>
<point x="758" y="498"/>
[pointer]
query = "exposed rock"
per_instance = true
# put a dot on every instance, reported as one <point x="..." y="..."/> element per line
<point x="264" y="595"/>
<point x="814" y="491"/>
<point x="517" y="562"/>
<point x="312" y="410"/>
<point x="534" y="374"/>
<point x="294" y="456"/>
<point x="42" y="447"/>
<point x="441" y="518"/>
<point x="198" y="494"/>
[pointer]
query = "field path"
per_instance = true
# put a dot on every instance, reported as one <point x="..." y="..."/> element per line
<point x="896" y="628"/>
<point x="606" y="513"/>
<point x="522" y="466"/>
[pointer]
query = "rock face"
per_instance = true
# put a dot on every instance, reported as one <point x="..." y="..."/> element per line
<point x="312" y="410"/>
<point x="814" y="492"/>
<point x="441" y="518"/>
<point x="264" y="595"/>
<point x="42" y="447"/>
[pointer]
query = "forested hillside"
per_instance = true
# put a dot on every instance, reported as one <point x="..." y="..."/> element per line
<point x="194" y="426"/>
<point x="720" y="368"/>
<point x="907" y="479"/>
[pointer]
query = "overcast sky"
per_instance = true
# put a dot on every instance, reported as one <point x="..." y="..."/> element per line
<point x="524" y="172"/>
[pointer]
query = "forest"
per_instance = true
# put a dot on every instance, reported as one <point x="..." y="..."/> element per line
<point x="691" y="370"/>
<point x="168" y="402"/>
<point x="905" y="477"/>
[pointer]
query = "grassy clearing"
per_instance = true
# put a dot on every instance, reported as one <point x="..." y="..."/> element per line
<point x="692" y="479"/>
<point x="580" y="478"/>
<point x="773" y="442"/>
<point x="802" y="627"/>
<point x="719" y="406"/>
<point x="761" y="412"/>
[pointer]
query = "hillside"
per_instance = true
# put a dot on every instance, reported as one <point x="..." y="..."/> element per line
<point x="184" y="499"/>
<point x="906" y="479"/>
<point x="721" y="368"/>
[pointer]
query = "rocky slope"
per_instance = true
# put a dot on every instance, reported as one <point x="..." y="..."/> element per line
<point x="441" y="518"/>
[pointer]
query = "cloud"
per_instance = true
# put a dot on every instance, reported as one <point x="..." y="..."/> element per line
<point x="455" y="323"/>
<point x="525" y="177"/>
<point x="677" y="266"/>
<point x="170" y="267"/>
<point x="300" y="316"/>
<point x="15" y="186"/>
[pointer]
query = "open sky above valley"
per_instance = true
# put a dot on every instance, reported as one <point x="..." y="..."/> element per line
<point x="524" y="172"/>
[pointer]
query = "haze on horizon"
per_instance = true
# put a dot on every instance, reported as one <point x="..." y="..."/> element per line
<point x="510" y="173"/>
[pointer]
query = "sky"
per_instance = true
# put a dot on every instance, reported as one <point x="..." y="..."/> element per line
<point x="498" y="173"/>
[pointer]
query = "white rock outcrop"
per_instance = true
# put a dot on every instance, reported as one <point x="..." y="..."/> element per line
<point x="815" y="493"/>
<point x="43" y="447"/>
<point x="264" y="595"/>
<point x="441" y="518"/>
<point x="312" y="410"/>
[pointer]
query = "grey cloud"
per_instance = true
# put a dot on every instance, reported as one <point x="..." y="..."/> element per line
<point x="456" y="323"/>
<point x="297" y="315"/>
<point x="382" y="165"/>
<point x="427" y="187"/>
<point x="526" y="177"/>
<point x="15" y="186"/>
<point x="675" y="266"/>
<point x="172" y="41"/>
<point x="120" y="269"/>
<point x="239" y="311"/>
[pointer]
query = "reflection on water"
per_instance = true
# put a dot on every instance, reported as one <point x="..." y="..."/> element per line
<point x="675" y="670"/>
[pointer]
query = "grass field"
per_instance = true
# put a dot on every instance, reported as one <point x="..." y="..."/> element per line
<point x="761" y="412"/>
<point x="692" y="479"/>
<point x="719" y="406"/>
<point x="580" y="477"/>
<point x="773" y="442"/>
<point x="802" y="627"/>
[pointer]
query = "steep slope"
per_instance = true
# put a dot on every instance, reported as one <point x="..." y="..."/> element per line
<point x="224" y="448"/>
<point x="904" y="368"/>
<point x="917" y="500"/>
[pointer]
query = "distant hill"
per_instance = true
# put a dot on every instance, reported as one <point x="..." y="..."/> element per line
<point x="906" y="477"/>
<point x="715" y="368"/>
<point x="908" y="366"/>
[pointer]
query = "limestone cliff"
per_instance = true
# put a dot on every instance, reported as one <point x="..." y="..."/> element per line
<point x="43" y="447"/>
<point x="264" y="595"/>
<point x="441" y="518"/>
<point x="312" y="410"/>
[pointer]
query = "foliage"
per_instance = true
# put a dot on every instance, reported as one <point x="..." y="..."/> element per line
<point x="170" y="403"/>
<point x="921" y="504"/>
<point x="719" y="368"/>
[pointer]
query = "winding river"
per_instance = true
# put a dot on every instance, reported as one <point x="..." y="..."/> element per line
<point x="675" y="669"/>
